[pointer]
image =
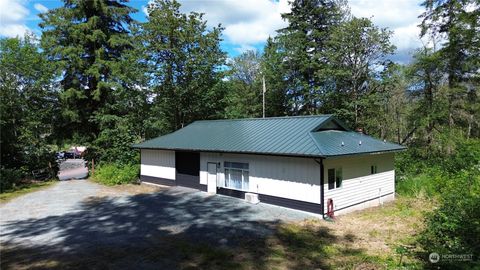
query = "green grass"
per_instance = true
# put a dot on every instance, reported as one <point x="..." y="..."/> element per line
<point x="427" y="184"/>
<point x="111" y="174"/>
<point x="24" y="189"/>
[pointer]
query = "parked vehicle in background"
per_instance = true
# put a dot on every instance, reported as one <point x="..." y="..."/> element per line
<point x="60" y="156"/>
<point x="69" y="155"/>
<point x="75" y="152"/>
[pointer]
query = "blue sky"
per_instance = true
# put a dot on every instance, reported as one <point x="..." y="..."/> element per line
<point x="248" y="23"/>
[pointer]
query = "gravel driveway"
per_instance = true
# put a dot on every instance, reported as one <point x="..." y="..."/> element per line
<point x="72" y="218"/>
<point x="73" y="169"/>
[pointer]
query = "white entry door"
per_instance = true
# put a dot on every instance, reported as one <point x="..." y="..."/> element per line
<point x="212" y="178"/>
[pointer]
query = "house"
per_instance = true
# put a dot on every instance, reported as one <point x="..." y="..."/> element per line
<point x="297" y="162"/>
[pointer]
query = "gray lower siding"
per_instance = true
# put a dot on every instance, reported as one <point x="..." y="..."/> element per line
<point x="279" y="201"/>
<point x="157" y="180"/>
<point x="165" y="182"/>
<point x="274" y="200"/>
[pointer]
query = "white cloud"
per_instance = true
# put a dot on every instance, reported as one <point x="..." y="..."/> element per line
<point x="40" y="8"/>
<point x="246" y="22"/>
<point x="407" y="37"/>
<point x="244" y="48"/>
<point x="13" y="14"/>
<point x="14" y="30"/>
<point x="250" y="22"/>
<point x="145" y="9"/>
<point x="400" y="16"/>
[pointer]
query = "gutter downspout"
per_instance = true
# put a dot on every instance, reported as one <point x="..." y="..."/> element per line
<point x="322" y="200"/>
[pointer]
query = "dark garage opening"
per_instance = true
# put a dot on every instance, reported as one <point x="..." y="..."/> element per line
<point x="187" y="165"/>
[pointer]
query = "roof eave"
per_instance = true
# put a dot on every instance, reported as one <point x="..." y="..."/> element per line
<point x="367" y="153"/>
<point x="233" y="152"/>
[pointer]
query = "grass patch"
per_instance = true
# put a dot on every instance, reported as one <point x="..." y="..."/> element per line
<point x="383" y="237"/>
<point x="422" y="185"/>
<point x="24" y="189"/>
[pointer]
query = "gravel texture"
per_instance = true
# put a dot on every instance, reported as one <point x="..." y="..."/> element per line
<point x="72" y="217"/>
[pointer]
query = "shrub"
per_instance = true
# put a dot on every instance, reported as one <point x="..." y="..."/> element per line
<point x="9" y="178"/>
<point x="429" y="183"/>
<point x="430" y="175"/>
<point x="467" y="156"/>
<point x="114" y="174"/>
<point x="454" y="227"/>
<point x="114" y="142"/>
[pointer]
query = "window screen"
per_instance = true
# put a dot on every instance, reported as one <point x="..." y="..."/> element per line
<point x="335" y="178"/>
<point x="338" y="178"/>
<point x="236" y="175"/>
<point x="331" y="178"/>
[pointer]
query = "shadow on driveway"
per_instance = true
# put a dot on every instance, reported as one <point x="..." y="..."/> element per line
<point x="166" y="230"/>
<point x="171" y="229"/>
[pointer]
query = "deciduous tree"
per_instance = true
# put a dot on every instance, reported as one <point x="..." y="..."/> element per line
<point x="185" y="62"/>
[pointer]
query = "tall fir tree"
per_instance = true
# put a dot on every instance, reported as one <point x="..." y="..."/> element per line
<point x="427" y="87"/>
<point x="85" y="39"/>
<point x="303" y="43"/>
<point x="271" y="68"/>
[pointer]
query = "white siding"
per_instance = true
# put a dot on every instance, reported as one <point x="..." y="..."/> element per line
<point x="158" y="163"/>
<point x="287" y="177"/>
<point x="359" y="185"/>
<point x="295" y="178"/>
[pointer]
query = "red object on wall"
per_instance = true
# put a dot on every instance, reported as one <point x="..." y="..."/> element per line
<point x="330" y="212"/>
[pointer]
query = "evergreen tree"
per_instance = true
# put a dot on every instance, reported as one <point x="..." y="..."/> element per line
<point x="303" y="43"/>
<point x="85" y="39"/>
<point x="271" y="67"/>
<point x="125" y="120"/>
<point x="426" y="82"/>
<point x="458" y="23"/>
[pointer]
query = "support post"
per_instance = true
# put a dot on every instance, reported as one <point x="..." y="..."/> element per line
<point x="264" y="90"/>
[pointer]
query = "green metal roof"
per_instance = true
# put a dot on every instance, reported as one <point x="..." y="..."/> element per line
<point x="292" y="136"/>
<point x="341" y="143"/>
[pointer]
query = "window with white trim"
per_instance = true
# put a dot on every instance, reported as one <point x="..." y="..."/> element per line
<point x="373" y="169"/>
<point x="335" y="178"/>
<point x="236" y="175"/>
